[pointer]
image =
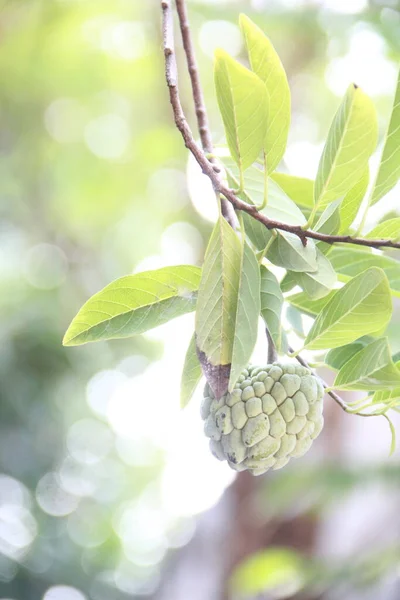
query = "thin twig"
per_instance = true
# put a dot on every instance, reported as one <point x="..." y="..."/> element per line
<point x="207" y="167"/>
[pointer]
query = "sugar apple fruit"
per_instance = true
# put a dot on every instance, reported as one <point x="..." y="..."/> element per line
<point x="273" y="414"/>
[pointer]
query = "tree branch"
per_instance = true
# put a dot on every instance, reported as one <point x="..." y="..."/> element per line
<point x="210" y="169"/>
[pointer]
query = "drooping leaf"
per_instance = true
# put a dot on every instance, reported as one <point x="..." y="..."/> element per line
<point x="191" y="374"/>
<point x="337" y="357"/>
<point x="363" y="306"/>
<point x="135" y="303"/>
<point x="271" y="305"/>
<point x="308" y="306"/>
<point x="257" y="233"/>
<point x="248" y="309"/>
<point x="279" y="208"/>
<point x="349" y="261"/>
<point x="288" y="282"/>
<point x="274" y="569"/>
<point x="389" y="230"/>
<point x="288" y="251"/>
<point x="351" y="203"/>
<point x="227" y="307"/>
<point x="321" y="282"/>
<point x="371" y="368"/>
<point x="388" y="396"/>
<point x="329" y="224"/>
<point x="299" y="189"/>
<point x="351" y="140"/>
<point x="242" y="100"/>
<point x="293" y="315"/>
<point x="389" y="168"/>
<point x="266" y="64"/>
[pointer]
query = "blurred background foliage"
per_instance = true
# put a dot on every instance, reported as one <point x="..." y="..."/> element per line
<point x="107" y="492"/>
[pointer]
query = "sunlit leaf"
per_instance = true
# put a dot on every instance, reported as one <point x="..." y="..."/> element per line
<point x="299" y="189"/>
<point x="371" y="368"/>
<point x="277" y="569"/>
<point x="307" y="305"/>
<point x="279" y="208"/>
<point x="134" y="304"/>
<point x="337" y="357"/>
<point x="191" y="374"/>
<point x="363" y="306"/>
<point x="227" y="308"/>
<point x="388" y="396"/>
<point x="329" y="224"/>
<point x="351" y="140"/>
<point x="350" y="261"/>
<point x="271" y="305"/>
<point x="351" y="203"/>
<point x="389" y="168"/>
<point x="242" y="100"/>
<point x="321" y="282"/>
<point x="389" y="230"/>
<point x="266" y="64"/>
<point x="288" y="251"/>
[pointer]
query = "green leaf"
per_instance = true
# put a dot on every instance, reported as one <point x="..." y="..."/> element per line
<point x="306" y="305"/>
<point x="320" y="283"/>
<point x="288" y="251"/>
<point x="389" y="168"/>
<point x="351" y="261"/>
<point x="271" y="305"/>
<point x="351" y="203"/>
<point x="266" y="64"/>
<point x="256" y="232"/>
<point x="299" y="189"/>
<point x="274" y="569"/>
<point x="329" y="224"/>
<point x="371" y="368"/>
<point x="227" y="308"/>
<point x="294" y="317"/>
<point x="135" y="303"/>
<point x="191" y="374"/>
<point x="288" y="282"/>
<point x="337" y="357"/>
<point x="351" y="140"/>
<point x="363" y="306"/>
<point x="387" y="396"/>
<point x="389" y="230"/>
<point x="248" y="309"/>
<point x="279" y="208"/>
<point x="242" y="100"/>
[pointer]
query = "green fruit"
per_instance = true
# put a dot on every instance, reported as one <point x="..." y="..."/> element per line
<point x="273" y="414"/>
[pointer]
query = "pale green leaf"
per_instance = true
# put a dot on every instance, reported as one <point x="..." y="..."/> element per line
<point x="388" y="230"/>
<point x="288" y="251"/>
<point x="351" y="261"/>
<point x="288" y="282"/>
<point x="389" y="168"/>
<point x="308" y="306"/>
<point x="337" y="357"/>
<point x="299" y="189"/>
<point x="371" y="368"/>
<point x="274" y="569"/>
<point x="321" y="282"/>
<point x="135" y="303"/>
<point x="248" y="309"/>
<point x="191" y="374"/>
<point x="363" y="306"/>
<point x="227" y="307"/>
<point x="279" y="208"/>
<point x="271" y="305"/>
<point x="329" y="224"/>
<point x="388" y="396"/>
<point x="266" y="64"/>
<point x="242" y="100"/>
<point x="351" y="141"/>
<point x="294" y="317"/>
<point x="257" y="233"/>
<point x="351" y="203"/>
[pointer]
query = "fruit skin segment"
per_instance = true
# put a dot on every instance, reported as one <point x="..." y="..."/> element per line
<point x="273" y="414"/>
